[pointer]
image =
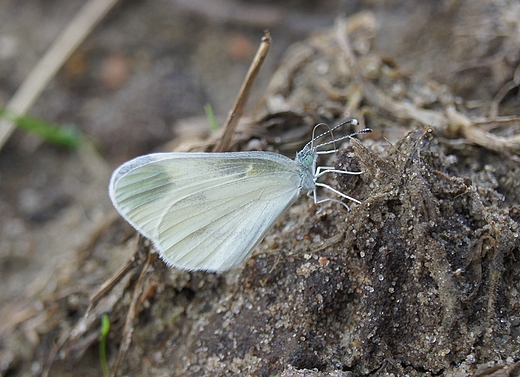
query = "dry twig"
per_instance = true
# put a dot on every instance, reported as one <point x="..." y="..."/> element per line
<point x="450" y="120"/>
<point x="243" y="95"/>
<point x="130" y="316"/>
<point x="77" y="30"/>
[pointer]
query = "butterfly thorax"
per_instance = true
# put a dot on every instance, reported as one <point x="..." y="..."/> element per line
<point x="306" y="160"/>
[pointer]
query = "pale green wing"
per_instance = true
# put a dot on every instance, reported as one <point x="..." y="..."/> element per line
<point x="205" y="211"/>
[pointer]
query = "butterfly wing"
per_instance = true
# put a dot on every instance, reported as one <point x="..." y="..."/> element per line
<point x="205" y="211"/>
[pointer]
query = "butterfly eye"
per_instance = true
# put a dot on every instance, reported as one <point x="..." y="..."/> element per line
<point x="305" y="158"/>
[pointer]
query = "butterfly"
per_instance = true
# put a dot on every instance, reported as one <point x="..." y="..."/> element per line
<point x="207" y="211"/>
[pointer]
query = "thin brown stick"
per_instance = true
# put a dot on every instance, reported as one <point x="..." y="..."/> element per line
<point x="243" y="95"/>
<point x="46" y="68"/>
<point x="130" y="316"/>
<point x="111" y="282"/>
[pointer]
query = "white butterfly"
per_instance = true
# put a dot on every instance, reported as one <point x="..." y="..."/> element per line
<point x="207" y="211"/>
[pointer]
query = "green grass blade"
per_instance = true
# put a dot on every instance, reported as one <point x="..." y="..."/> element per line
<point x="65" y="136"/>
<point x="213" y="125"/>
<point x="105" y="328"/>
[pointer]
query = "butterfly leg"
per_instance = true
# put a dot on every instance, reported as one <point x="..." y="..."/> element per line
<point x="312" y="194"/>
<point x="322" y="170"/>
<point x="319" y="184"/>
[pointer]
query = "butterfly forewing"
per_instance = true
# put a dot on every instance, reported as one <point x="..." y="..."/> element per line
<point x="205" y="211"/>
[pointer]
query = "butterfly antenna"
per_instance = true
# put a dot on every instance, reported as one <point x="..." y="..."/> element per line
<point x="314" y="138"/>
<point x="363" y="131"/>
<point x="310" y="144"/>
<point x="330" y="131"/>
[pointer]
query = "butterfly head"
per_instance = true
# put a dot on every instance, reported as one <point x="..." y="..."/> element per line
<point x="307" y="158"/>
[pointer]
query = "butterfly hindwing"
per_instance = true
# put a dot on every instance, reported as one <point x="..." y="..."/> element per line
<point x="205" y="211"/>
